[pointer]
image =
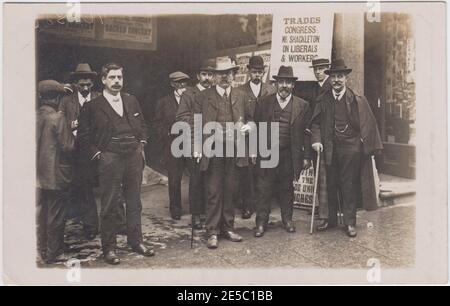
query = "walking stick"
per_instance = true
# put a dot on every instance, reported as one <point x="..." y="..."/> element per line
<point x="316" y="178"/>
<point x="192" y="234"/>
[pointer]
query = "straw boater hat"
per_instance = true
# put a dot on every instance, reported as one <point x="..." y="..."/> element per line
<point x="319" y="62"/>
<point x="285" y="72"/>
<point x="83" y="70"/>
<point x="338" y="66"/>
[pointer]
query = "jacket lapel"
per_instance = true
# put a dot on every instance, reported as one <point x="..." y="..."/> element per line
<point x="296" y="110"/>
<point x="107" y="108"/>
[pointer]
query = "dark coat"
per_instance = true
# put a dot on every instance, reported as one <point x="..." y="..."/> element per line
<point x="185" y="111"/>
<point x="300" y="139"/>
<point x="54" y="143"/>
<point x="206" y="103"/>
<point x="96" y="126"/>
<point x="266" y="90"/>
<point x="311" y="91"/>
<point x="322" y="130"/>
<point x="71" y="107"/>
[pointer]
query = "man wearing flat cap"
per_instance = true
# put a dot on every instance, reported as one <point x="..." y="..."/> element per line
<point x="112" y="132"/>
<point x="345" y="132"/>
<point x="221" y="106"/>
<point x="165" y="117"/>
<point x="292" y="115"/>
<point x="81" y="191"/>
<point x="55" y="143"/>
<point x="185" y="113"/>
<point x="254" y="91"/>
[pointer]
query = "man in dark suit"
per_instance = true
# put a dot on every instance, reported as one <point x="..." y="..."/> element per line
<point x="55" y="143"/>
<point x="292" y="114"/>
<point x="254" y="91"/>
<point x="185" y="113"/>
<point x="310" y="91"/>
<point x="218" y="106"/>
<point x="112" y="131"/>
<point x="166" y="111"/>
<point x="81" y="190"/>
<point x="345" y="129"/>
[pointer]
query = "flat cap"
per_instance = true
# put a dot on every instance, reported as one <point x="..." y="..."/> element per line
<point x="50" y="86"/>
<point x="178" y="76"/>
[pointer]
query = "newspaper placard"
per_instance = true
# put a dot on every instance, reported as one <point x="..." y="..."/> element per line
<point x="242" y="74"/>
<point x="134" y="29"/>
<point x="297" y="40"/>
<point x="304" y="189"/>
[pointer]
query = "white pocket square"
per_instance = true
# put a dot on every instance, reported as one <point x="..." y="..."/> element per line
<point x="137" y="114"/>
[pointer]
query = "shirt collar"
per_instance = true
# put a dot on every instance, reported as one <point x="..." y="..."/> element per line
<point x="323" y="82"/>
<point x="341" y="94"/>
<point x="200" y="87"/>
<point x="221" y="91"/>
<point x="81" y="98"/>
<point x="177" y="96"/>
<point x="111" y="98"/>
<point x="285" y="101"/>
<point x="255" y="88"/>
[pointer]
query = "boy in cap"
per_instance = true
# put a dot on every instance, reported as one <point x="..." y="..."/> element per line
<point x="54" y="173"/>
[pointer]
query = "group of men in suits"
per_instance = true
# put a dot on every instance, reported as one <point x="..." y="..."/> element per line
<point x="107" y="132"/>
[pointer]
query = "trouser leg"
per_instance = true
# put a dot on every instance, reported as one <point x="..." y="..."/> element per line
<point x="214" y="181"/>
<point x="196" y="193"/>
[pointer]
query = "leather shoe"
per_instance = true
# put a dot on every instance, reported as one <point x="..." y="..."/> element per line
<point x="143" y="250"/>
<point x="196" y="222"/>
<point x="289" y="227"/>
<point x="351" y="231"/>
<point x="259" y="231"/>
<point x="111" y="258"/>
<point x="246" y="214"/>
<point x="213" y="242"/>
<point x="232" y="236"/>
<point x="176" y="216"/>
<point x="324" y="226"/>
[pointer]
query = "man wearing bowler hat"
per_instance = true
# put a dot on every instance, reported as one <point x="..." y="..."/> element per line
<point x="345" y="130"/>
<point x="185" y="113"/>
<point x="54" y="142"/>
<point x="166" y="111"/>
<point x="218" y="106"/>
<point x="81" y="191"/>
<point x="254" y="91"/>
<point x="292" y="115"/>
<point x="112" y="131"/>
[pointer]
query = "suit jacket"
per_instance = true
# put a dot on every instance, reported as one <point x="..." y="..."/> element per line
<point x="71" y="107"/>
<point x="54" y="143"/>
<point x="266" y="89"/>
<point x="185" y="111"/>
<point x="96" y="126"/>
<point x="300" y="139"/>
<point x="206" y="104"/>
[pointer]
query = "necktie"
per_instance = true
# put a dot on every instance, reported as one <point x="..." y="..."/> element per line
<point x="225" y="95"/>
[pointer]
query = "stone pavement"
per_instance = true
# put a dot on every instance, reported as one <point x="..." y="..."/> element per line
<point x="387" y="234"/>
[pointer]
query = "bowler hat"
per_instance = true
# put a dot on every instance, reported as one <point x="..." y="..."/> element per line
<point x="50" y="87"/>
<point x="285" y="72"/>
<point x="178" y="76"/>
<point x="207" y="65"/>
<point x="338" y="66"/>
<point x="319" y="62"/>
<point x="256" y="62"/>
<point x="83" y="69"/>
<point x="225" y="64"/>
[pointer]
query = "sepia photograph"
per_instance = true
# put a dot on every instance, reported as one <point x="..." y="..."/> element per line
<point x="302" y="140"/>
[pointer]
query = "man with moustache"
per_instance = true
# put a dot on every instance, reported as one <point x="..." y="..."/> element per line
<point x="166" y="111"/>
<point x="293" y="115"/>
<point x="112" y="131"/>
<point x="185" y="113"/>
<point x="345" y="130"/>
<point x="218" y="106"/>
<point x="254" y="91"/>
<point x="81" y="190"/>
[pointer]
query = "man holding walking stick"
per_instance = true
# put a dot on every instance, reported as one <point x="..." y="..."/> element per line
<point x="345" y="130"/>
